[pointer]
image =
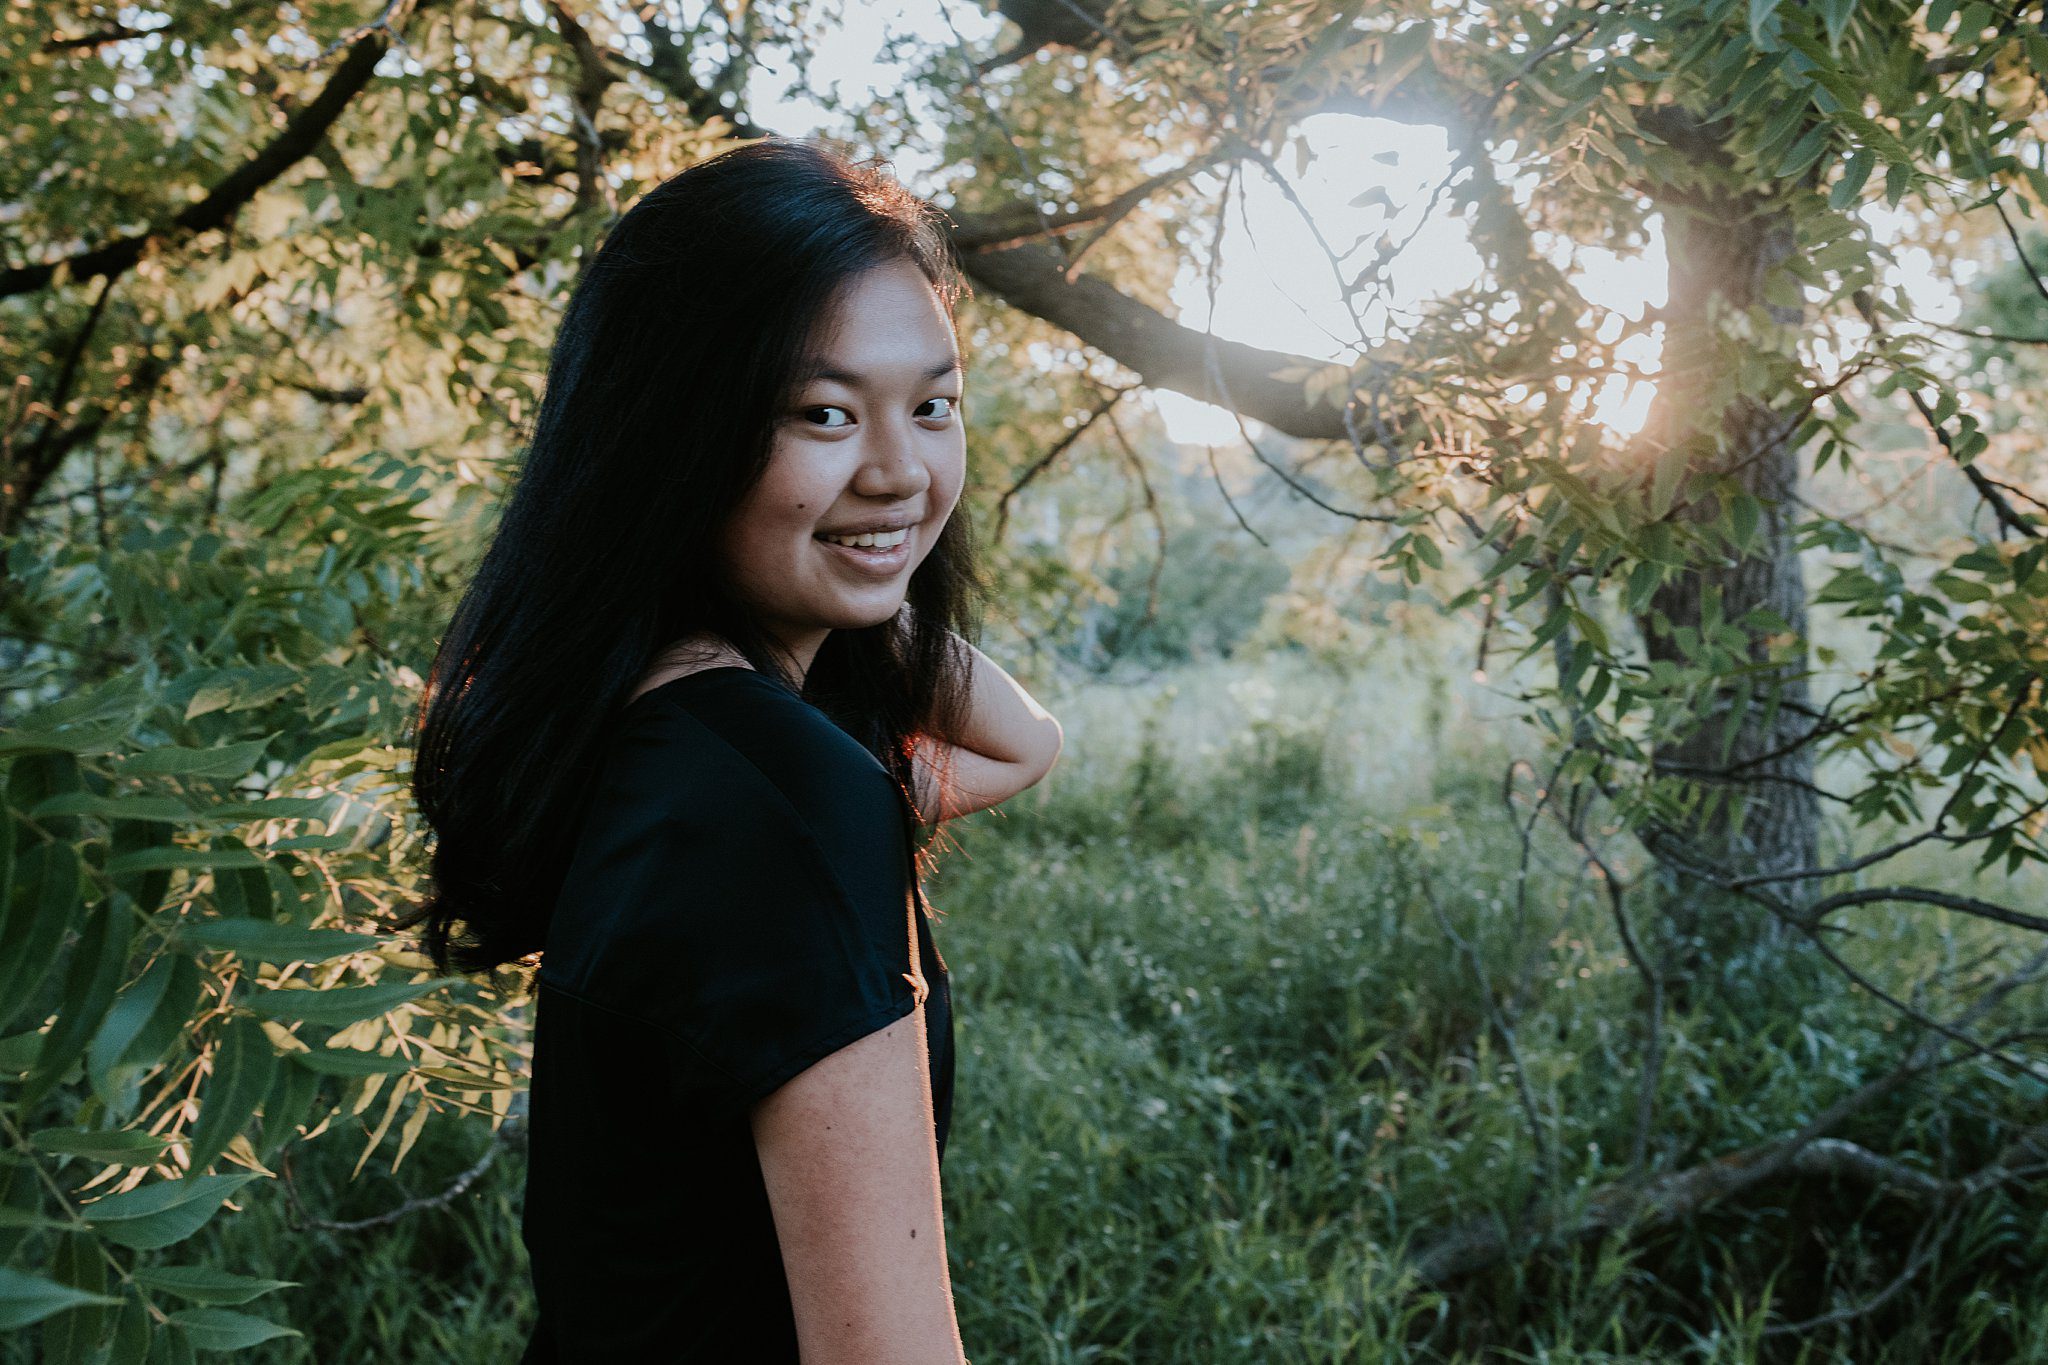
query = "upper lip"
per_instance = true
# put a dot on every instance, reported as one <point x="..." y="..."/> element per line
<point x="876" y="525"/>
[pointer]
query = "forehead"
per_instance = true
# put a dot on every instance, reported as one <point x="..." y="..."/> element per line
<point x="886" y="326"/>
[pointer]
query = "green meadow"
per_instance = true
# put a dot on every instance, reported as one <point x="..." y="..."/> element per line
<point x="1258" y="994"/>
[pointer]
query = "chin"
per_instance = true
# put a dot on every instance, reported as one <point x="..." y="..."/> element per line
<point x="879" y="616"/>
<point x="875" y="612"/>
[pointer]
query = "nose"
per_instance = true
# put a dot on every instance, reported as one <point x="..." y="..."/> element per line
<point x="892" y="466"/>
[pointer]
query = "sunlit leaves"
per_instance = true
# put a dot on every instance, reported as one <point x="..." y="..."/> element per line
<point x="256" y="549"/>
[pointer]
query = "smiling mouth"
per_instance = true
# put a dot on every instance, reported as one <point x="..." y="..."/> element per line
<point x="883" y="561"/>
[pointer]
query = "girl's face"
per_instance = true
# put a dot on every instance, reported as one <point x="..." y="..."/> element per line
<point x="875" y="442"/>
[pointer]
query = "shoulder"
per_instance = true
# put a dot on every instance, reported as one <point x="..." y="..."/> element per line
<point x="738" y="833"/>
<point x="734" y="778"/>
<point x="767" y="737"/>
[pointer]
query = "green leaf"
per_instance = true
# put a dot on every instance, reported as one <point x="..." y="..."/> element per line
<point x="12" y="1217"/>
<point x="204" y="1284"/>
<point x="256" y="940"/>
<point x="1804" y="152"/>
<point x="339" y="1005"/>
<point x="1898" y="178"/>
<point x="1519" y="549"/>
<point x="91" y="979"/>
<point x="320" y="841"/>
<point x="160" y="859"/>
<point x="1642" y="582"/>
<point x="246" y="893"/>
<point x="1836" y="14"/>
<point x="131" y="1330"/>
<point x="1966" y="590"/>
<point x="218" y="1329"/>
<point x="210" y="698"/>
<point x="1738" y="710"/>
<point x="1589" y="628"/>
<point x="243" y="1064"/>
<point x="19" y="1053"/>
<point x="352" y="1062"/>
<point x="271" y="808"/>
<point x="124" y="1023"/>
<point x="287" y="1106"/>
<point x="228" y="760"/>
<point x="31" y="1298"/>
<point x="43" y="906"/>
<point x="166" y="809"/>
<point x="77" y="740"/>
<point x="173" y="1014"/>
<point x="117" y="1147"/>
<point x="164" y="1213"/>
<point x="1666" y="478"/>
<point x="73" y="1336"/>
<point x="1744" y="513"/>
<point x="1763" y="24"/>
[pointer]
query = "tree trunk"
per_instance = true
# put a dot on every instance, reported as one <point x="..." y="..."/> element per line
<point x="1766" y="815"/>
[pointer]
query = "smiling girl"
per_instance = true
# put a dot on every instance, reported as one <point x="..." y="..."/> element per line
<point x="710" y="684"/>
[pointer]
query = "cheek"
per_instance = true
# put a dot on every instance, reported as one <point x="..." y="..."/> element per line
<point x="785" y="506"/>
<point x="949" y="476"/>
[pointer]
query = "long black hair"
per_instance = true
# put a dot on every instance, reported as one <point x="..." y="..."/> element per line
<point x="683" y="338"/>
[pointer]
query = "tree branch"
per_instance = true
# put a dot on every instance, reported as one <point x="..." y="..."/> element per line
<point x="1679" y="1194"/>
<point x="1986" y="488"/>
<point x="1166" y="354"/>
<point x="297" y="139"/>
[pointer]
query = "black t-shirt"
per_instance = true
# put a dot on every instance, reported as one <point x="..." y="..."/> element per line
<point x="742" y="901"/>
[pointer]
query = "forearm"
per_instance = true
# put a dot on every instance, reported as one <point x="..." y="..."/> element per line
<point x="1003" y="721"/>
<point x="1006" y="742"/>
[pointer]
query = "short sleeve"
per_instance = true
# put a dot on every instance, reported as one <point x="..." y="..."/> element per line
<point x="762" y="917"/>
<point x="814" y="950"/>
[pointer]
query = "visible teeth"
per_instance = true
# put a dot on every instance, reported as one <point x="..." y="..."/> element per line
<point x="879" y="540"/>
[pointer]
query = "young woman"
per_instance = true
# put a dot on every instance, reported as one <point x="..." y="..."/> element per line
<point x="709" y="685"/>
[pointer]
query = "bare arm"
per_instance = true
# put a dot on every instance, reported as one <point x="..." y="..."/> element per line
<point x="1008" y="743"/>
<point x="851" y="1169"/>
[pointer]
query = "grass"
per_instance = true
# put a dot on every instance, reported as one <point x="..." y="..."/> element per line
<point x="1220" y="1063"/>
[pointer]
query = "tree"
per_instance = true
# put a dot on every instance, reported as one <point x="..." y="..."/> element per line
<point x="277" y="296"/>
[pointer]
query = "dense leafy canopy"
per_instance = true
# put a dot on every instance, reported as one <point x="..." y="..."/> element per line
<point x="276" y="293"/>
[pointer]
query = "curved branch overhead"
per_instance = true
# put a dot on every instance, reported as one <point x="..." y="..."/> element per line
<point x="1166" y="353"/>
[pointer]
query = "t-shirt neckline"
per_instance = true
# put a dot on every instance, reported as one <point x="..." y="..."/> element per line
<point x="659" y="688"/>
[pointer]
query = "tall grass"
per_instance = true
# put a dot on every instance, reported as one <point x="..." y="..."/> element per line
<point x="1222" y="1061"/>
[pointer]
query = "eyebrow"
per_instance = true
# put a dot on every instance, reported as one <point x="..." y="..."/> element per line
<point x="938" y="371"/>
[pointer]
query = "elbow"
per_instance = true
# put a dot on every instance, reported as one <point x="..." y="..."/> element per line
<point x="1050" y="750"/>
